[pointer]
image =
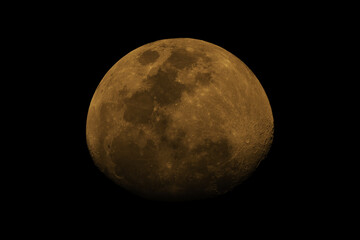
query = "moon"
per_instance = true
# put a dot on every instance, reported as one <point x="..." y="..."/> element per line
<point x="179" y="119"/>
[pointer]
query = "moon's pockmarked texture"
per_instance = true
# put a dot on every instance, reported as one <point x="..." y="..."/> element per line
<point x="179" y="119"/>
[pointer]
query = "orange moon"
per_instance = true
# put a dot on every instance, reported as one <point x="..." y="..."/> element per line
<point x="179" y="119"/>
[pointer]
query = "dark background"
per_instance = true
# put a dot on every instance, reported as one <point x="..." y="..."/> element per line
<point x="274" y="185"/>
<point x="77" y="51"/>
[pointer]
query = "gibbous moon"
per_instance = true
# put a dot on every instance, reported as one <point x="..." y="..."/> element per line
<point x="179" y="119"/>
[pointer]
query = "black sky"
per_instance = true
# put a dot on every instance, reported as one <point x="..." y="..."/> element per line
<point x="77" y="51"/>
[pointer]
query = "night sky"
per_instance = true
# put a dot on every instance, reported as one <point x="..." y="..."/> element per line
<point x="77" y="51"/>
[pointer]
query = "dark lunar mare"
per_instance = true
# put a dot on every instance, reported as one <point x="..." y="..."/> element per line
<point x="132" y="162"/>
<point x="148" y="57"/>
<point x="164" y="90"/>
<point x="139" y="108"/>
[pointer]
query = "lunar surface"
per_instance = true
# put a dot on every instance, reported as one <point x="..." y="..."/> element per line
<point x="179" y="119"/>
